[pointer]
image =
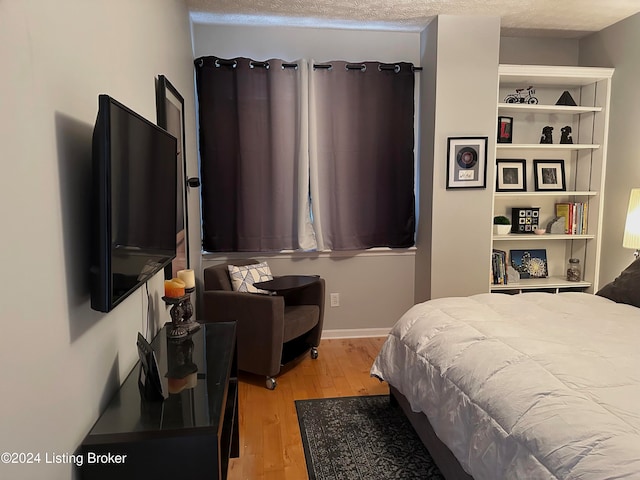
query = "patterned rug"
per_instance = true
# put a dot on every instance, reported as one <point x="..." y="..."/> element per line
<point x="361" y="438"/>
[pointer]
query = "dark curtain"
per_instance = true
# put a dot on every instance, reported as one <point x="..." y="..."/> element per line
<point x="362" y="152"/>
<point x="249" y="134"/>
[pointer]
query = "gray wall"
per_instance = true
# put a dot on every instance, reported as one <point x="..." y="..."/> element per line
<point x="462" y="58"/>
<point x="61" y="360"/>
<point x="539" y="51"/>
<point x="617" y="46"/>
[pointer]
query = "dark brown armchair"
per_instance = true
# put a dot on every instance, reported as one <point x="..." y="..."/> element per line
<point x="271" y="329"/>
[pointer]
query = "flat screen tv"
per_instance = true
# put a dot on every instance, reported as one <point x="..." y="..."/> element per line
<point x="133" y="205"/>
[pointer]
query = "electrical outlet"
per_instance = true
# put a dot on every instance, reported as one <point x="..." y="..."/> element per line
<point x="335" y="299"/>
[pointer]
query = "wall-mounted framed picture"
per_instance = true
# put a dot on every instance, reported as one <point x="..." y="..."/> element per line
<point x="549" y="175"/>
<point x="170" y="113"/>
<point x="511" y="175"/>
<point x="530" y="263"/>
<point x="467" y="162"/>
<point x="505" y="129"/>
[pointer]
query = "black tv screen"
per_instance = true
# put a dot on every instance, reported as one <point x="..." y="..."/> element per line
<point x="134" y="202"/>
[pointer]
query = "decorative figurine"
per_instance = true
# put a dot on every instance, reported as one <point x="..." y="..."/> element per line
<point x="566" y="99"/>
<point x="566" y="135"/>
<point x="556" y="226"/>
<point x="518" y="97"/>
<point x="547" y="135"/>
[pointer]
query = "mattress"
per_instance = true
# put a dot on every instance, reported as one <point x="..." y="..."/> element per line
<point x="530" y="386"/>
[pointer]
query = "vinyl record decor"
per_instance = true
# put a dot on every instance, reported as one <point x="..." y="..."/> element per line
<point x="466" y="162"/>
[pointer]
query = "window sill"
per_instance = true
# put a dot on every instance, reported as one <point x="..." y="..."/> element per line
<point x="371" y="252"/>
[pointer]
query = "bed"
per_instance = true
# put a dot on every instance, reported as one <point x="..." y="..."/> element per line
<point x="529" y="386"/>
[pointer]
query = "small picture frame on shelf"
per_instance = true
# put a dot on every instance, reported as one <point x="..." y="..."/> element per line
<point x="530" y="263"/>
<point x="549" y="175"/>
<point x="505" y="129"/>
<point x="511" y="175"/>
<point x="466" y="162"/>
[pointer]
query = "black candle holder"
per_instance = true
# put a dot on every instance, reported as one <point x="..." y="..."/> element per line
<point x="181" y="313"/>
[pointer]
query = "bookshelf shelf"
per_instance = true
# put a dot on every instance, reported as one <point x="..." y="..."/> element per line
<point x="556" y="283"/>
<point x="523" y="237"/>
<point x="556" y="109"/>
<point x="584" y="193"/>
<point x="546" y="146"/>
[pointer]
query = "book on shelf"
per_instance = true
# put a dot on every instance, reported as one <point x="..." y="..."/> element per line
<point x="499" y="267"/>
<point x="575" y="217"/>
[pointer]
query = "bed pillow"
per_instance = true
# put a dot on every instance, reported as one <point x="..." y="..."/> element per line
<point x="243" y="277"/>
<point x="626" y="287"/>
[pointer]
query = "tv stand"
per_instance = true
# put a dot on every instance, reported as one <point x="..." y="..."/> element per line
<point x="192" y="433"/>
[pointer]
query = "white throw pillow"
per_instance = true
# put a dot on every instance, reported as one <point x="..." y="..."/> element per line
<point x="243" y="277"/>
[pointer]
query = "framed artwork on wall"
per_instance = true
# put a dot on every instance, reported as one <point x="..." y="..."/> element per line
<point x="511" y="175"/>
<point x="549" y="175"/>
<point x="467" y="162"/>
<point x="170" y="113"/>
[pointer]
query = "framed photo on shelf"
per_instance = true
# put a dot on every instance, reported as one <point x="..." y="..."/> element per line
<point x="505" y="129"/>
<point x="549" y="175"/>
<point x="511" y="176"/>
<point x="530" y="263"/>
<point x="467" y="162"/>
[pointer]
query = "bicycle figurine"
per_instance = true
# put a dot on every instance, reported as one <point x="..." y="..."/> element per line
<point x="519" y="97"/>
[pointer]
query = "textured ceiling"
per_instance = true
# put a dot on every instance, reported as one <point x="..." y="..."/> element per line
<point x="557" y="18"/>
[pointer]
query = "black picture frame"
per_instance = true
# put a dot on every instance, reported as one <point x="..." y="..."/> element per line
<point x="549" y="175"/>
<point x="466" y="162"/>
<point x="149" y="382"/>
<point x="170" y="116"/>
<point x="505" y="129"/>
<point x="511" y="175"/>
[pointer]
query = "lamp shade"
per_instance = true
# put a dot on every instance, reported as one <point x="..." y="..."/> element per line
<point x="632" y="226"/>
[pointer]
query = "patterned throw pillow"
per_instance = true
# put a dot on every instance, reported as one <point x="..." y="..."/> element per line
<point x="243" y="278"/>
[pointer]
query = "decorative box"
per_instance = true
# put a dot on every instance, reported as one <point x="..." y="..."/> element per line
<point x="524" y="219"/>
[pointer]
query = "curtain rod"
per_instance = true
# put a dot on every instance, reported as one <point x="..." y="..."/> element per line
<point x="328" y="66"/>
<point x="361" y="66"/>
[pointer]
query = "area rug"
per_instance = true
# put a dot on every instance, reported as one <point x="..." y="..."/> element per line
<point x="361" y="438"/>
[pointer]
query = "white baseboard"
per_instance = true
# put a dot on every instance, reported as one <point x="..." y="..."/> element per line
<point x="356" y="332"/>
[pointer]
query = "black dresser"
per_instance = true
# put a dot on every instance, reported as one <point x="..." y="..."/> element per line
<point x="191" y="434"/>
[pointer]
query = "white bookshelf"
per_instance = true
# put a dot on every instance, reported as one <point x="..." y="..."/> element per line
<point x="584" y="164"/>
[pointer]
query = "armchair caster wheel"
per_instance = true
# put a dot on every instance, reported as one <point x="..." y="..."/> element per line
<point x="271" y="383"/>
<point x="314" y="353"/>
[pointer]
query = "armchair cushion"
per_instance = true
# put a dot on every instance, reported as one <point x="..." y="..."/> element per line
<point x="244" y="276"/>
<point x="299" y="319"/>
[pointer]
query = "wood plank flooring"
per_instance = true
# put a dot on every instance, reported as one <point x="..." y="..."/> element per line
<point x="270" y="443"/>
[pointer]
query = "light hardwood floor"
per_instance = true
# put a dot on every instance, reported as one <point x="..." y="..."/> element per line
<point x="270" y="443"/>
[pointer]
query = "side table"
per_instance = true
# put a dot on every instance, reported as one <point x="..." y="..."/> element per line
<point x="286" y="283"/>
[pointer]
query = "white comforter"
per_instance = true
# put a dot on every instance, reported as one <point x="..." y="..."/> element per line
<point x="531" y="386"/>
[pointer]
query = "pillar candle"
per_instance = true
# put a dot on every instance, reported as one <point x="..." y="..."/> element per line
<point x="174" y="288"/>
<point x="188" y="277"/>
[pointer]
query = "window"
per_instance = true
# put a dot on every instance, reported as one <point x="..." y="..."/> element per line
<point x="277" y="137"/>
